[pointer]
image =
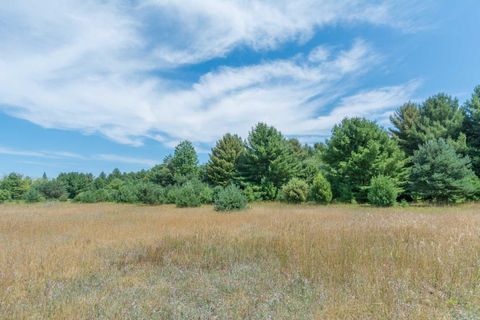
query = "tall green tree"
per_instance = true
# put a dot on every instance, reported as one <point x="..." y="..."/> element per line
<point x="184" y="162"/>
<point x="437" y="117"/>
<point x="440" y="174"/>
<point x="75" y="182"/>
<point x="357" y="151"/>
<point x="162" y="174"/>
<point x="406" y="122"/>
<point x="268" y="161"/>
<point x="472" y="128"/>
<point x="223" y="162"/>
<point x="16" y="185"/>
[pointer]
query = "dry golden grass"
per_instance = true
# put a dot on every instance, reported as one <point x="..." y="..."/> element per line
<point x="270" y="262"/>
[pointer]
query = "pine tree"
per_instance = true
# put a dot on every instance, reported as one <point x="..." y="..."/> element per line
<point x="440" y="174"/>
<point x="358" y="151"/>
<point x="437" y="117"/>
<point x="268" y="161"/>
<point x="222" y="166"/>
<point x="184" y="162"/>
<point x="472" y="129"/>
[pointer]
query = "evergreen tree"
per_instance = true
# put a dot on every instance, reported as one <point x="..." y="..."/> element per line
<point x="357" y="151"/>
<point x="222" y="166"/>
<point x="406" y="121"/>
<point x="438" y="117"/>
<point x="162" y="174"/>
<point x="16" y="185"/>
<point x="268" y="161"/>
<point x="440" y="174"/>
<point x="184" y="161"/>
<point x="472" y="129"/>
<point x="75" y="182"/>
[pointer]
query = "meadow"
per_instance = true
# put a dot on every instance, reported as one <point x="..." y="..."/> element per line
<point x="272" y="261"/>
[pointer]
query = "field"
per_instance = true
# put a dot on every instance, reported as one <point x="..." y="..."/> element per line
<point x="273" y="261"/>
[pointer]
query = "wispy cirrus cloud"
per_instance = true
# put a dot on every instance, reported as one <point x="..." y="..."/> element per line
<point x="65" y="155"/>
<point x="92" y="66"/>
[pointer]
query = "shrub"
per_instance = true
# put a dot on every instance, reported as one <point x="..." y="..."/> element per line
<point x="86" y="197"/>
<point x="52" y="189"/>
<point x="229" y="199"/>
<point x="252" y="192"/>
<point x="321" y="190"/>
<point x="126" y="193"/>
<point x="4" y="195"/>
<point x="188" y="196"/>
<point x="206" y="193"/>
<point x="103" y="195"/>
<point x="63" y="198"/>
<point x="382" y="192"/>
<point x="295" y="191"/>
<point x="171" y="194"/>
<point x="33" y="195"/>
<point x="150" y="193"/>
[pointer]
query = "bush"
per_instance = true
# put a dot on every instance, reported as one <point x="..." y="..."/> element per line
<point x="33" y="195"/>
<point x="252" y="192"/>
<point x="126" y="193"/>
<point x="188" y="196"/>
<point x="295" y="191"/>
<point x="321" y="190"/>
<point x="206" y="193"/>
<point x="86" y="197"/>
<point x="103" y="195"/>
<point x="150" y="193"/>
<point x="4" y="195"/>
<point x="52" y="189"/>
<point x="171" y="194"/>
<point x="382" y="192"/>
<point x="229" y="199"/>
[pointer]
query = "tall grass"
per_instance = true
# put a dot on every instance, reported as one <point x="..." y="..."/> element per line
<point x="272" y="261"/>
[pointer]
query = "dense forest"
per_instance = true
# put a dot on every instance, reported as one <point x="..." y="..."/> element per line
<point x="431" y="153"/>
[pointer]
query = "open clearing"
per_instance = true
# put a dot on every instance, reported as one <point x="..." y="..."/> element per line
<point x="272" y="261"/>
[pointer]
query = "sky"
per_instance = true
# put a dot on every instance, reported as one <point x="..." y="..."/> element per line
<point x="93" y="85"/>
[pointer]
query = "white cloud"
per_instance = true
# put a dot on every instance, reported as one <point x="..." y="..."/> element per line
<point x="65" y="155"/>
<point x="91" y="66"/>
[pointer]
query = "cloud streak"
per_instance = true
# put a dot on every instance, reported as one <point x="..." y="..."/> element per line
<point x="93" y="66"/>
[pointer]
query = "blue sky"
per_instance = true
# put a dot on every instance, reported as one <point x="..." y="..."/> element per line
<point x="93" y="85"/>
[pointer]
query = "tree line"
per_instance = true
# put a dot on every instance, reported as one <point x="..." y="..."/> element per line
<point x="430" y="153"/>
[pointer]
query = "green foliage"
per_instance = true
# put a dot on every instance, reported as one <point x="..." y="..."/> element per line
<point x="16" y="185"/>
<point x="268" y="161"/>
<point x="150" y="193"/>
<point x="438" y="117"/>
<point x="33" y="195"/>
<point x="229" y="199"/>
<point x="472" y="129"/>
<point x="358" y="151"/>
<point x="126" y="193"/>
<point x="88" y="196"/>
<point x="188" y="196"/>
<point x="382" y="192"/>
<point x="321" y="190"/>
<point x="5" y="195"/>
<point x="440" y="174"/>
<point x="252" y="192"/>
<point x="75" y="182"/>
<point x="184" y="161"/>
<point x="295" y="191"/>
<point x="162" y="174"/>
<point x="223" y="163"/>
<point x="53" y="189"/>
<point x="103" y="195"/>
